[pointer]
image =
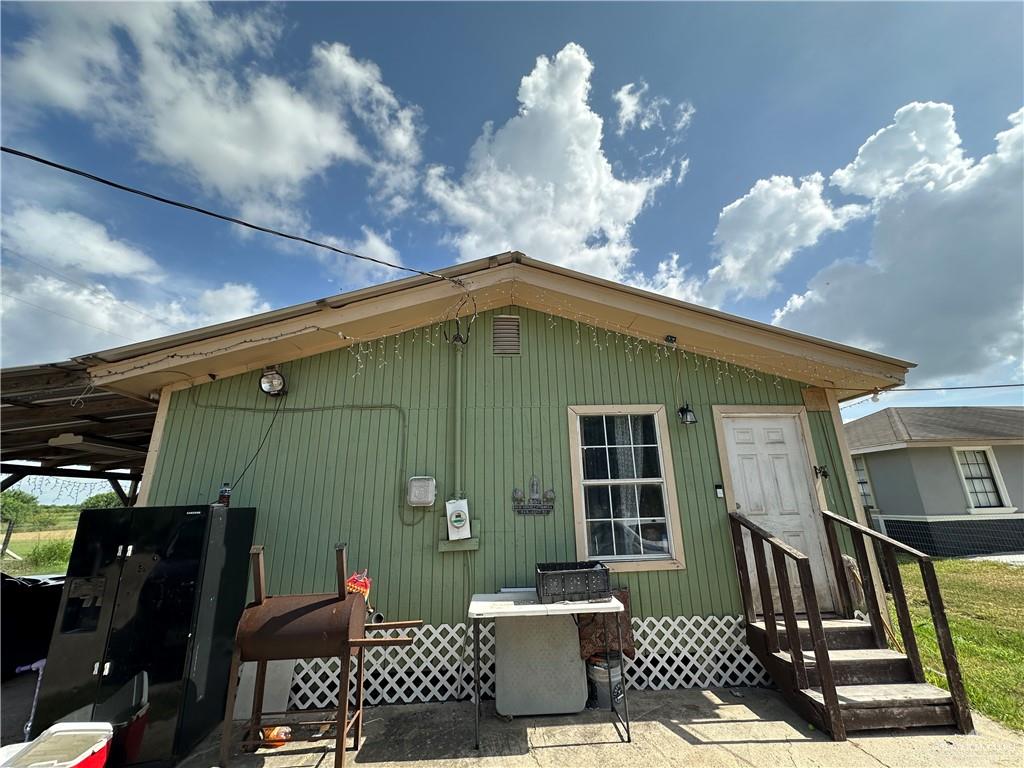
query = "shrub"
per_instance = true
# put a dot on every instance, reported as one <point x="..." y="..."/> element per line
<point x="55" y="552"/>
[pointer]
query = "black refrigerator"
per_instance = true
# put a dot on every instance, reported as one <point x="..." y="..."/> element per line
<point x="146" y="626"/>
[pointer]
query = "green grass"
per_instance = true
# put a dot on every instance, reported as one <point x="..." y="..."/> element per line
<point x="44" y="551"/>
<point x="985" y="608"/>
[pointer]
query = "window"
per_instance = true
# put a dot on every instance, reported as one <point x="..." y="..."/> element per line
<point x="980" y="479"/>
<point x="867" y="498"/>
<point x="626" y="509"/>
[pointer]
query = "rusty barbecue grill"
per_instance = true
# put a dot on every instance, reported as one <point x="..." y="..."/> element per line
<point x="304" y="627"/>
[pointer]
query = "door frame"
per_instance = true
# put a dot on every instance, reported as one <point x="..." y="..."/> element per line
<point x="815" y="485"/>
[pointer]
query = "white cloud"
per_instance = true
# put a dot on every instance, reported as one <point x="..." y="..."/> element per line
<point x="355" y="273"/>
<point x="67" y="240"/>
<point x="671" y="280"/>
<point x="684" y="168"/>
<point x="758" y="234"/>
<point x="190" y="86"/>
<point x="95" y="291"/>
<point x="943" y="285"/>
<point x="637" y="109"/>
<point x="47" y="318"/>
<point x="541" y="183"/>
<point x="920" y="145"/>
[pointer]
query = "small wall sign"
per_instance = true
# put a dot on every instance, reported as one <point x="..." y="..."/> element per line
<point x="536" y="503"/>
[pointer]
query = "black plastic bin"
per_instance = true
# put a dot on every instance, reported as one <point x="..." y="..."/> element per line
<point x="558" y="582"/>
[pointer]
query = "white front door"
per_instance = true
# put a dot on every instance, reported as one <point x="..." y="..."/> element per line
<point x="770" y="471"/>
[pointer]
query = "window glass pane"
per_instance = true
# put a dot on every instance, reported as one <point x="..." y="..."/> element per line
<point x="595" y="463"/>
<point x="600" y="539"/>
<point x="647" y="462"/>
<point x="652" y="501"/>
<point x="624" y="500"/>
<point x="654" y="537"/>
<point x="618" y="430"/>
<point x="598" y="503"/>
<point x="644" y="432"/>
<point x="978" y="479"/>
<point x="620" y="463"/>
<point x="592" y="428"/>
<point x="627" y="538"/>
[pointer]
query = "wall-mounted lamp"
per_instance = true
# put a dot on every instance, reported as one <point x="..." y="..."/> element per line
<point x="686" y="415"/>
<point x="272" y="382"/>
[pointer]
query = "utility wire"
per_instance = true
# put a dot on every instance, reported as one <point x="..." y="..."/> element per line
<point x="91" y="289"/>
<point x="224" y="217"/>
<point x="66" y="317"/>
<point x="927" y="389"/>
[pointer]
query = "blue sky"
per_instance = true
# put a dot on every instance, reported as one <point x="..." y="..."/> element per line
<point x="851" y="171"/>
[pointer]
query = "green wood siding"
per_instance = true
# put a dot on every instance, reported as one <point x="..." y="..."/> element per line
<point x="353" y="427"/>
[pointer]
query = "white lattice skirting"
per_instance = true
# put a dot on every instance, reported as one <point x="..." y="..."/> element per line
<point x="680" y="652"/>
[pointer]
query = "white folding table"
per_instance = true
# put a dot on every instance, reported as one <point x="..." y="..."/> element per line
<point x="510" y="605"/>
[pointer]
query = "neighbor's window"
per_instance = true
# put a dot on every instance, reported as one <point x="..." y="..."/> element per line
<point x="624" y="495"/>
<point x="979" y="479"/>
<point x="867" y="498"/>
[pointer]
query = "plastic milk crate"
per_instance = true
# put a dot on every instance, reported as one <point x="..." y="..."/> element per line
<point x="572" y="581"/>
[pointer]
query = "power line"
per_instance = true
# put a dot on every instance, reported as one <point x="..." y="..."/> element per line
<point x="928" y="389"/>
<point x="224" y="217"/>
<point x="67" y="317"/>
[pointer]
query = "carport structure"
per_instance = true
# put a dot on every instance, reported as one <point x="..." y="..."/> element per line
<point x="53" y="416"/>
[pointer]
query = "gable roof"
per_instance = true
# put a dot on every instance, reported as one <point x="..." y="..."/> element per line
<point x="902" y="427"/>
<point x="508" y="279"/>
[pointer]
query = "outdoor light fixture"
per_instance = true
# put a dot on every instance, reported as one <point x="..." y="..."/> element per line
<point x="686" y="415"/>
<point x="272" y="382"/>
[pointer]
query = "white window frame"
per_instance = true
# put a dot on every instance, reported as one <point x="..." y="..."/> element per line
<point x="867" y="481"/>
<point x="997" y="478"/>
<point x="675" y="560"/>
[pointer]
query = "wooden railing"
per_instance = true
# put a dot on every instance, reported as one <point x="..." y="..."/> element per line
<point x="781" y="552"/>
<point x="860" y="536"/>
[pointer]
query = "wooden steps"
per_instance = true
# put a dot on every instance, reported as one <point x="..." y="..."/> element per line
<point x="888" y="705"/>
<point x="842" y="633"/>
<point x="838" y="672"/>
<point x="856" y="666"/>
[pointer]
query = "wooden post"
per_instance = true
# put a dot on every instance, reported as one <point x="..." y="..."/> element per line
<point x="342" y="724"/>
<point x="821" y="660"/>
<point x="358" y="737"/>
<point x="7" y="538"/>
<point x="961" y="707"/>
<point x="341" y="558"/>
<point x="739" y="551"/>
<point x="845" y="601"/>
<point x="765" y="588"/>
<point x="259" y="576"/>
<point x="870" y="596"/>
<point x="10" y="480"/>
<point x="789" y="614"/>
<point x="116" y="486"/>
<point x="899" y="598"/>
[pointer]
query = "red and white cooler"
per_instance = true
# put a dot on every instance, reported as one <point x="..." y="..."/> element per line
<point x="64" y="745"/>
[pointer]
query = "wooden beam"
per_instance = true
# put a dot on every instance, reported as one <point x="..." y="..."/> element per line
<point x="119" y="491"/>
<point x="10" y="480"/>
<point x="85" y="443"/>
<point x="85" y="474"/>
<point x="14" y="416"/>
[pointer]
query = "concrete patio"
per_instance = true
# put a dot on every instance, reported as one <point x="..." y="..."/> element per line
<point x="742" y="727"/>
<point x="715" y="728"/>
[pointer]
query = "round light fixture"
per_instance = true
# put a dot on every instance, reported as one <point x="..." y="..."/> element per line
<point x="272" y="382"/>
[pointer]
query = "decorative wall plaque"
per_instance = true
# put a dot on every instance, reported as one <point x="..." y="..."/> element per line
<point x="535" y="503"/>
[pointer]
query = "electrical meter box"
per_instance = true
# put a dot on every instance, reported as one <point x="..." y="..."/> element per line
<point x="457" y="515"/>
<point x="421" y="491"/>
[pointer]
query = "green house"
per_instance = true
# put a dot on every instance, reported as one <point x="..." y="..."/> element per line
<point x="579" y="420"/>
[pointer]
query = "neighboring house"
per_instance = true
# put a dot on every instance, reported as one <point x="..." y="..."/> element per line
<point x="947" y="481"/>
<point x="580" y="418"/>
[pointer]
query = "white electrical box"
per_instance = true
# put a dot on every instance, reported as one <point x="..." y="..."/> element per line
<point x="457" y="515"/>
<point x="421" y="491"/>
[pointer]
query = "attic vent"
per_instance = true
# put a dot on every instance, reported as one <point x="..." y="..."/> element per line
<point x="505" y="336"/>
